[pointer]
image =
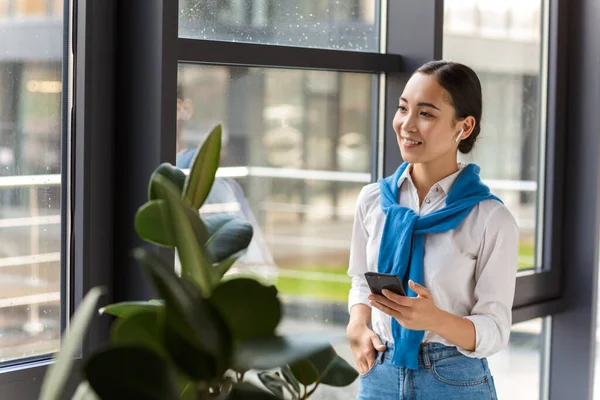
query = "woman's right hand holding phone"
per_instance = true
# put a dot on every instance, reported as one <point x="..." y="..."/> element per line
<point x="364" y="343"/>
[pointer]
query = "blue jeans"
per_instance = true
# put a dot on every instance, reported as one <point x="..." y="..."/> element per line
<point x="444" y="373"/>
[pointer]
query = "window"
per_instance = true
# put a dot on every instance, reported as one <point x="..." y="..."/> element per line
<point x="296" y="154"/>
<point x="30" y="182"/>
<point x="502" y="42"/>
<point x="333" y="24"/>
<point x="518" y="369"/>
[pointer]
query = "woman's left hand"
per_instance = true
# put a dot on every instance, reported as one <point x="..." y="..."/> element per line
<point x="416" y="313"/>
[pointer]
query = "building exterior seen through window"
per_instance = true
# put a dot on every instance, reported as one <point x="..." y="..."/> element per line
<point x="31" y="36"/>
<point x="332" y="24"/>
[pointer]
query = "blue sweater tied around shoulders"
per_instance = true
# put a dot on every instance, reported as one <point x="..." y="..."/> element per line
<point x="403" y="239"/>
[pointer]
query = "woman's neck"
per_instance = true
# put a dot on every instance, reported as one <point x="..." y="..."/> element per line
<point x="425" y="175"/>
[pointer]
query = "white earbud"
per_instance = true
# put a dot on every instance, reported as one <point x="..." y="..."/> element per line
<point x="459" y="135"/>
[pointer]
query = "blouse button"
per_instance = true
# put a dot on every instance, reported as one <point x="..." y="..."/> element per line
<point x="427" y="201"/>
<point x="437" y="190"/>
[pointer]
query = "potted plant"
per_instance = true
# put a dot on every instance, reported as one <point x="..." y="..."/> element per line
<point x="210" y="336"/>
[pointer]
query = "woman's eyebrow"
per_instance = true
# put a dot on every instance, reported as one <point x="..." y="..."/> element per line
<point x="422" y="104"/>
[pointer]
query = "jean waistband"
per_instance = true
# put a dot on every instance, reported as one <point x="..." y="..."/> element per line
<point x="430" y="352"/>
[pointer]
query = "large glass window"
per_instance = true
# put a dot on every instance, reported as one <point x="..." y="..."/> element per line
<point x="517" y="370"/>
<point x="502" y="42"/>
<point x="30" y="166"/>
<point x="333" y="24"/>
<point x="297" y="147"/>
<point x="596" y="390"/>
<point x="297" y="150"/>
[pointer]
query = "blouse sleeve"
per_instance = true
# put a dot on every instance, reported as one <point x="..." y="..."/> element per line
<point x="495" y="284"/>
<point x="358" y="256"/>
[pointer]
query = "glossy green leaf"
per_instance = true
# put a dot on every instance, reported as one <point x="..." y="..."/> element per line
<point x="224" y="266"/>
<point x="202" y="236"/>
<point x="273" y="352"/>
<point x="305" y="372"/>
<point x="84" y="392"/>
<point x="250" y="309"/>
<point x="192" y="325"/>
<point x="152" y="224"/>
<point x="247" y="391"/>
<point x="272" y="382"/>
<point x="332" y="369"/>
<point x="228" y="235"/>
<point x="191" y="358"/>
<point x="339" y="373"/>
<point x="203" y="169"/>
<point x="173" y="174"/>
<point x="198" y="226"/>
<point x="190" y="238"/>
<point x="131" y="373"/>
<point x="59" y="372"/>
<point x="127" y="308"/>
<point x="142" y="329"/>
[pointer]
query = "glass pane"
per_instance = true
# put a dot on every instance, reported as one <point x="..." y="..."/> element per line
<point x="296" y="154"/>
<point x="518" y="368"/>
<point x="332" y="24"/>
<point x="596" y="390"/>
<point x="30" y="160"/>
<point x="502" y="42"/>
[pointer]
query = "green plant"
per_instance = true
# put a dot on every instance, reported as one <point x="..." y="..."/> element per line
<point x="208" y="337"/>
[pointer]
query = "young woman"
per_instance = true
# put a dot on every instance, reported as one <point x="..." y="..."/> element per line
<point x="452" y="243"/>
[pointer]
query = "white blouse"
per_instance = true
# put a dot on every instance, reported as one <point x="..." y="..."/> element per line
<point x="471" y="271"/>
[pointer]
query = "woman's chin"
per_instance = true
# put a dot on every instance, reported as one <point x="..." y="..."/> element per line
<point x="410" y="157"/>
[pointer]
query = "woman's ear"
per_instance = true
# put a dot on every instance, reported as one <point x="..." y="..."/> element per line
<point x="467" y="125"/>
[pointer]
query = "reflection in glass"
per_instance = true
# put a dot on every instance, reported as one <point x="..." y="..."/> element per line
<point x="302" y="138"/>
<point x="333" y="24"/>
<point x="30" y="159"/>
<point x="296" y="153"/>
<point x="501" y="42"/>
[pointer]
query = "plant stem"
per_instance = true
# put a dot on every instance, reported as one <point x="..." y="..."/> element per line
<point x="312" y="390"/>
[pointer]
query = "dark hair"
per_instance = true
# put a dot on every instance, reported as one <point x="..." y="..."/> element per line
<point x="463" y="85"/>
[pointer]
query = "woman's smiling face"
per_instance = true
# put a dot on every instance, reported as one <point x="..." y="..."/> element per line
<point x="425" y="123"/>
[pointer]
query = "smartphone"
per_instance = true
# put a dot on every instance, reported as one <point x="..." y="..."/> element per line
<point x="378" y="281"/>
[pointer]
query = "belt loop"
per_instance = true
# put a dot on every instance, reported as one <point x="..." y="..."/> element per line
<point x="425" y="352"/>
